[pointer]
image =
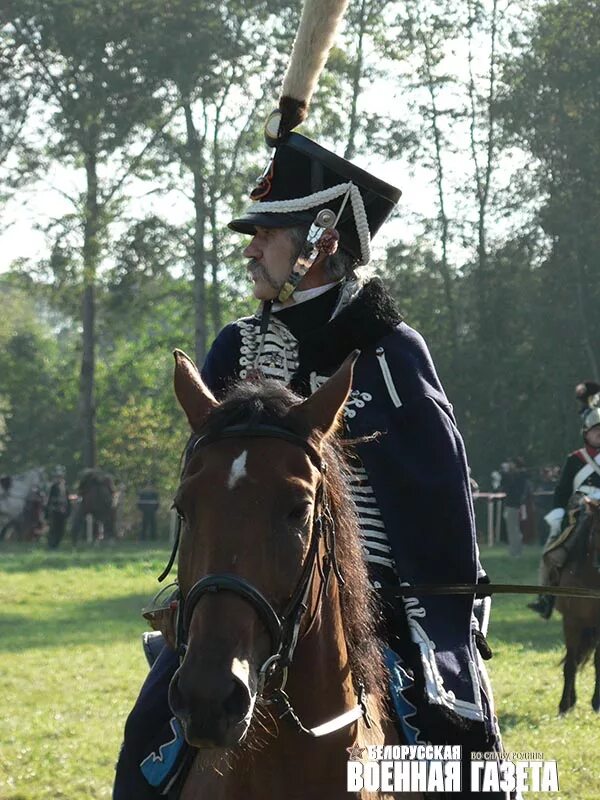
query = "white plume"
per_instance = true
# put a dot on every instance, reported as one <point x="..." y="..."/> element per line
<point x="316" y="33"/>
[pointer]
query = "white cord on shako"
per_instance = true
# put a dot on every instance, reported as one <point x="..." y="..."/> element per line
<point x="320" y="198"/>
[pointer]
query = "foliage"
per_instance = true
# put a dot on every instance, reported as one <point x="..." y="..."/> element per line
<point x="79" y="54"/>
<point x="39" y="401"/>
<point x="551" y="102"/>
<point x="18" y="163"/>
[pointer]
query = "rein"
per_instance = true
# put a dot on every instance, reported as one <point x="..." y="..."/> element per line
<point x="284" y="628"/>
<point x="488" y="589"/>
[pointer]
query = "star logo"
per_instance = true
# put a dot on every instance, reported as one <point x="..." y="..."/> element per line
<point x="355" y="752"/>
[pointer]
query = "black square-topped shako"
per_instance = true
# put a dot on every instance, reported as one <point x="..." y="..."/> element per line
<point x="303" y="178"/>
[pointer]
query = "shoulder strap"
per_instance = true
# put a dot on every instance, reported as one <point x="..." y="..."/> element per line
<point x="585" y="472"/>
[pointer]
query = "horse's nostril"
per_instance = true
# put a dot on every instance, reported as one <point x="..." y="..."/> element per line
<point x="237" y="704"/>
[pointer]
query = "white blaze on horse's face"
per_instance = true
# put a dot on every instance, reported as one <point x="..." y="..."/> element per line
<point x="238" y="470"/>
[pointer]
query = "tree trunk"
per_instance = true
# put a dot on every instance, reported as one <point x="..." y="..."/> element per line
<point x="445" y="269"/>
<point x="584" y="320"/>
<point x="483" y="176"/>
<point x="214" y="189"/>
<point x="90" y="260"/>
<point x="356" y="76"/>
<point x="199" y="254"/>
<point x="215" y="297"/>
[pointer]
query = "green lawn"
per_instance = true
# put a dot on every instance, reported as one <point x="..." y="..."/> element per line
<point x="71" y="662"/>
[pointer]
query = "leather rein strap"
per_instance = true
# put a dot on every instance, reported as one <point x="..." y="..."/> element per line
<point x="487" y="589"/>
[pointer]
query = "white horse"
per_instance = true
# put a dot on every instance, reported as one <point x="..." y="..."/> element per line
<point x="14" y="490"/>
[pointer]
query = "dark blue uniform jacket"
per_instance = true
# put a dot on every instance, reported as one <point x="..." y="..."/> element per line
<point x="417" y="469"/>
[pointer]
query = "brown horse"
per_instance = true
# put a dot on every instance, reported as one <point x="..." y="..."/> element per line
<point x="581" y="616"/>
<point x="274" y="594"/>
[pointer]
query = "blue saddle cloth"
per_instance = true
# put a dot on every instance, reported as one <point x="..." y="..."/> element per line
<point x="154" y="753"/>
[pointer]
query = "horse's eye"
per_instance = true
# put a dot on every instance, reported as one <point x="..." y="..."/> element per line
<point x="299" y="513"/>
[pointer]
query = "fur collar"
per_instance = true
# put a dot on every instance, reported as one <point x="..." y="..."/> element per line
<point x="360" y="320"/>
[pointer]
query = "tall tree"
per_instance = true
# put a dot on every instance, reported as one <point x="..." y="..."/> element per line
<point x="425" y="33"/>
<point x="551" y="104"/>
<point x="356" y="64"/>
<point x="98" y="101"/>
<point x="482" y="101"/>
<point x="216" y="62"/>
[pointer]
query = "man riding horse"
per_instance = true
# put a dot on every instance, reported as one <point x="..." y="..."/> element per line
<point x="580" y="475"/>
<point x="311" y="220"/>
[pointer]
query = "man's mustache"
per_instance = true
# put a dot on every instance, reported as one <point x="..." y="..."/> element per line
<point x="258" y="270"/>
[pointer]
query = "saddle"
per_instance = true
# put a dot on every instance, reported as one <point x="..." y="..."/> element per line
<point x="161" y="613"/>
<point x="153" y="643"/>
<point x="559" y="552"/>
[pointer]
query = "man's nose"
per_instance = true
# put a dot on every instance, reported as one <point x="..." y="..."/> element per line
<point x="252" y="250"/>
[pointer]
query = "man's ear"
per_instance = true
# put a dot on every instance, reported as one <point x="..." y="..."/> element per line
<point x="194" y="397"/>
<point x="322" y="411"/>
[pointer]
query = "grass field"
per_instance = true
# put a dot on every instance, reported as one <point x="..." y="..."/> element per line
<point x="71" y="663"/>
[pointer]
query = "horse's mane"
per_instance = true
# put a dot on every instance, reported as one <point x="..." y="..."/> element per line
<point x="268" y="402"/>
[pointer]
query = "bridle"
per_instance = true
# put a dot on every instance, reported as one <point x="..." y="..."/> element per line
<point x="284" y="627"/>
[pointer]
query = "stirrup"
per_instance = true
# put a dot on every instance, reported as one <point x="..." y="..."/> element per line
<point x="543" y="606"/>
<point x="153" y="643"/>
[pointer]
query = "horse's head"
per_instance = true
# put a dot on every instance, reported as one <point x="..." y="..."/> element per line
<point x="250" y="498"/>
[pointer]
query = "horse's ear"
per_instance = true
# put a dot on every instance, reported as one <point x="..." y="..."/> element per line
<point x="323" y="409"/>
<point x="194" y="397"/>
